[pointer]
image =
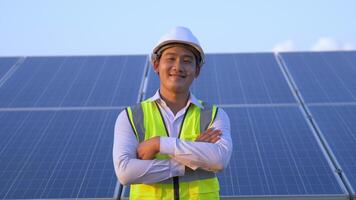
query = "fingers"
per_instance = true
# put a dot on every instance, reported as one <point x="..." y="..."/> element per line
<point x="211" y="135"/>
<point x="147" y="149"/>
<point x="206" y="134"/>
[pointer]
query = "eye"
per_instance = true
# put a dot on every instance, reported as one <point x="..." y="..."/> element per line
<point x="187" y="61"/>
<point x="170" y="58"/>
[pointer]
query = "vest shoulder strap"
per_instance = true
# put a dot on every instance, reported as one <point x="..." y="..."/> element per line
<point x="207" y="115"/>
<point x="135" y="114"/>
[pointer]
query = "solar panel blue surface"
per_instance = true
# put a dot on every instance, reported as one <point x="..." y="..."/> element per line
<point x="67" y="153"/>
<point x="74" y="81"/>
<point x="237" y="79"/>
<point x="56" y="154"/>
<point x="324" y="76"/>
<point x="275" y="153"/>
<point x="5" y="64"/>
<point x="337" y="123"/>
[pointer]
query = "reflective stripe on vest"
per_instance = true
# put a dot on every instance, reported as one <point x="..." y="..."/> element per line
<point x="147" y="121"/>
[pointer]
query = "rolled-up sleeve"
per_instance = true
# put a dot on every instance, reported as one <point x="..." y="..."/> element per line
<point x="208" y="156"/>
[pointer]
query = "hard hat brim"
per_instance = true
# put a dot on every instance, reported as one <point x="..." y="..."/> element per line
<point x="161" y="45"/>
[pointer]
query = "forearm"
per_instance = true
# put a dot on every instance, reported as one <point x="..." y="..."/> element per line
<point x="208" y="156"/>
<point x="211" y="156"/>
<point x="131" y="170"/>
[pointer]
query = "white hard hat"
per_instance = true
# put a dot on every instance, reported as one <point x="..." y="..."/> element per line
<point x="180" y="35"/>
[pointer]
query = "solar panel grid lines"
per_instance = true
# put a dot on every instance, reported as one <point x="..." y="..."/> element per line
<point x="275" y="152"/>
<point x="7" y="67"/>
<point x="26" y="160"/>
<point x="80" y="172"/>
<point x="256" y="121"/>
<point x="216" y="81"/>
<point x="304" y="109"/>
<point x="74" y="82"/>
<point x="49" y="142"/>
<point x="329" y="151"/>
<point x="326" y="166"/>
<point x="144" y="81"/>
<point x="239" y="78"/>
<point x="121" y="190"/>
<point x="69" y="105"/>
<point x="329" y="74"/>
<point x="335" y="122"/>
<point x="39" y="109"/>
<point x="326" y="150"/>
<point x="289" y="80"/>
<point x="61" y="155"/>
<point x="26" y="77"/>
<point x="337" y="68"/>
<point x="46" y="86"/>
<point x="5" y="64"/>
<point x="344" y="79"/>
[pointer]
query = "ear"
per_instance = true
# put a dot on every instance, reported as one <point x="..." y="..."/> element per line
<point x="197" y="71"/>
<point x="155" y="64"/>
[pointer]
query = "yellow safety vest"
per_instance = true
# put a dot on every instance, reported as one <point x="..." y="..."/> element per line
<point x="147" y="122"/>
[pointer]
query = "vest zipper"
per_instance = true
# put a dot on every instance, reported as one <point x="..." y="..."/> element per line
<point x="176" y="178"/>
<point x="176" y="187"/>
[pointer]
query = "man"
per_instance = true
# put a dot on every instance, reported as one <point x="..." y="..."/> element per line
<point x="170" y="145"/>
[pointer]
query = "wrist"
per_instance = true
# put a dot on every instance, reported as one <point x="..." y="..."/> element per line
<point x="158" y="143"/>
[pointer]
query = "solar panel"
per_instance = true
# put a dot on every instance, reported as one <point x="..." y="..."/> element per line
<point x="5" y="64"/>
<point x="57" y="116"/>
<point x="57" y="154"/>
<point x="237" y="79"/>
<point x="276" y="153"/>
<point x="74" y="81"/>
<point x="337" y="123"/>
<point x="56" y="123"/>
<point x="324" y="76"/>
<point x="327" y="85"/>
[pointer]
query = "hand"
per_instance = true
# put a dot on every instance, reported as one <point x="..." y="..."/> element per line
<point x="147" y="149"/>
<point x="210" y="135"/>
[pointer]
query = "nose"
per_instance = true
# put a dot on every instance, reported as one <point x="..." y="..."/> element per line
<point x="178" y="65"/>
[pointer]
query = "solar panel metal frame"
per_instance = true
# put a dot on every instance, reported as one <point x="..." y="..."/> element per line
<point x="283" y="96"/>
<point x="21" y="60"/>
<point x="301" y="64"/>
<point x="305" y="111"/>
<point x="119" y="193"/>
<point x="323" y="141"/>
<point x="290" y="85"/>
<point x="307" y="197"/>
<point x="35" y="93"/>
<point x="333" y="156"/>
<point x="7" y="74"/>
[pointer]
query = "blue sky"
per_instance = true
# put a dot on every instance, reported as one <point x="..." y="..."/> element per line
<point x="78" y="27"/>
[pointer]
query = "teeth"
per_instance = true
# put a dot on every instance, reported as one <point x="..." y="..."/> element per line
<point x="182" y="76"/>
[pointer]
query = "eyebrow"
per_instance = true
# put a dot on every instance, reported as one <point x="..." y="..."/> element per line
<point x="174" y="54"/>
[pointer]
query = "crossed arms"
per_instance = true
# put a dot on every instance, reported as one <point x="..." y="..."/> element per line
<point x="134" y="162"/>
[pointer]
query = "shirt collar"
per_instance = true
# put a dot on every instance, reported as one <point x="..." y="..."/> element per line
<point x="192" y="99"/>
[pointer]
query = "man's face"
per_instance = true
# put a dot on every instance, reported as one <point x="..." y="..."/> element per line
<point x="177" y="69"/>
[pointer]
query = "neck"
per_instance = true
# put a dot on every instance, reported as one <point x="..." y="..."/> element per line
<point x="175" y="101"/>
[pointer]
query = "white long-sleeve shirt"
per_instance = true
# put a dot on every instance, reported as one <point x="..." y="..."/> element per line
<point x="208" y="156"/>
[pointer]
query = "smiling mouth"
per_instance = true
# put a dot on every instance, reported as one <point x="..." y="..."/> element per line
<point x="177" y="75"/>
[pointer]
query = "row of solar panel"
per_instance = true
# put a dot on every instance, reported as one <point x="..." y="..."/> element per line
<point x="252" y="78"/>
<point x="57" y="116"/>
